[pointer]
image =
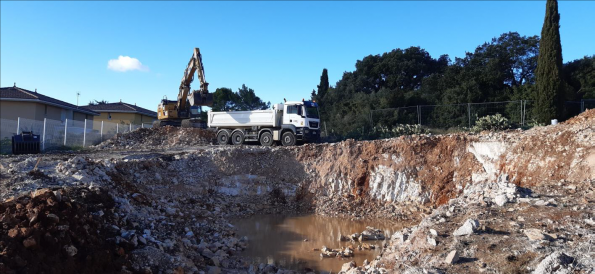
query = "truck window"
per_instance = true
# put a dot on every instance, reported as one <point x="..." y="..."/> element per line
<point x="292" y="110"/>
<point x="300" y="111"/>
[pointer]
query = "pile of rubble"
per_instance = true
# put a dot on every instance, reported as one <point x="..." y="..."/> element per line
<point x="531" y="231"/>
<point x="62" y="231"/>
<point x="159" y="138"/>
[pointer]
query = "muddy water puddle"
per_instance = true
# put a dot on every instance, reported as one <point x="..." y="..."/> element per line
<point x="289" y="242"/>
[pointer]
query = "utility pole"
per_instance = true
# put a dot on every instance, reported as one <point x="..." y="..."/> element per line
<point x="77" y="98"/>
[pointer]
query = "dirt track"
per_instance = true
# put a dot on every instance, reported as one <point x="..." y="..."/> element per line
<point x="173" y="198"/>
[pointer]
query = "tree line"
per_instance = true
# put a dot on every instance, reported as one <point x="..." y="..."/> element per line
<point x="509" y="67"/>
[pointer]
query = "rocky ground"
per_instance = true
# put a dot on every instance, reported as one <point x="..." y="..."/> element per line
<point x="167" y="137"/>
<point x="508" y="202"/>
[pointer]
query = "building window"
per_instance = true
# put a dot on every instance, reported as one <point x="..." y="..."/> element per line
<point x="109" y="116"/>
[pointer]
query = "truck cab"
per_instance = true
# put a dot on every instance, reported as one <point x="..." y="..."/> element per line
<point x="302" y="118"/>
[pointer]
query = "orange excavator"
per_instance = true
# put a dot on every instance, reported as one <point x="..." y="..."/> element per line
<point x="186" y="111"/>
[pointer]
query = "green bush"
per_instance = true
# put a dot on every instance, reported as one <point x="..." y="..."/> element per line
<point x="398" y="130"/>
<point x="492" y="123"/>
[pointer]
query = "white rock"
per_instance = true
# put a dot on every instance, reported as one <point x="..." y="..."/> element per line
<point x="431" y="241"/>
<point x="501" y="200"/>
<point x="452" y="257"/>
<point x="468" y="228"/>
<point x="434" y="232"/>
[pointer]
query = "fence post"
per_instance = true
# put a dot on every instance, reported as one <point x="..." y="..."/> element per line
<point x="18" y="124"/>
<point x="419" y="115"/>
<point x="325" y="131"/>
<point x="85" y="133"/>
<point x="130" y="127"/>
<point x="469" y="113"/>
<point x="43" y="136"/>
<point x="65" y="130"/>
<point x="521" y="119"/>
<point x="142" y="125"/>
<point x="117" y="128"/>
<point x="101" y="132"/>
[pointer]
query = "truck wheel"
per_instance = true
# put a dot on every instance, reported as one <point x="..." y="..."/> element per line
<point x="223" y="137"/>
<point x="266" y="139"/>
<point x="288" y="139"/>
<point x="237" y="138"/>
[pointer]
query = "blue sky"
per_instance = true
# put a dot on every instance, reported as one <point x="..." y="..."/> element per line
<point x="277" y="48"/>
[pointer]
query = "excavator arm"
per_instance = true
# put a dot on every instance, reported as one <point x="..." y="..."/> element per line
<point x="199" y="97"/>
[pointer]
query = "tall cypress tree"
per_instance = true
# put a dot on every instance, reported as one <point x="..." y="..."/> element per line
<point x="549" y="93"/>
<point x="324" y="85"/>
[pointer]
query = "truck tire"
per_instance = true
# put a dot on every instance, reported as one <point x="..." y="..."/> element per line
<point x="288" y="139"/>
<point x="223" y="137"/>
<point x="237" y="138"/>
<point x="266" y="139"/>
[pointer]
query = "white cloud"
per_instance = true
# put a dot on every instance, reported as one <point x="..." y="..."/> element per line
<point x="126" y="63"/>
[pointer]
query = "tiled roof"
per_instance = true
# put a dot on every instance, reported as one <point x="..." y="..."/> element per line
<point x="121" y="107"/>
<point x="19" y="94"/>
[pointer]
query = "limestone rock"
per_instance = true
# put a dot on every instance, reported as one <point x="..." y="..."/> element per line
<point x="468" y="228"/>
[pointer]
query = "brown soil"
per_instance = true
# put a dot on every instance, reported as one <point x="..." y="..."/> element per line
<point x="38" y="231"/>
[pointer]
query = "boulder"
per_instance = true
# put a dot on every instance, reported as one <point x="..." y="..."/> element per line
<point x="467" y="228"/>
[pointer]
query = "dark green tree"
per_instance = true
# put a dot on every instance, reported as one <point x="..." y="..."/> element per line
<point x="224" y="99"/>
<point x="249" y="101"/>
<point x="96" y="102"/>
<point x="324" y="85"/>
<point x="580" y="75"/>
<point x="549" y="85"/>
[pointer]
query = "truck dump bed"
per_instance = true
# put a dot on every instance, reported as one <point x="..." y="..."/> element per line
<point x="263" y="118"/>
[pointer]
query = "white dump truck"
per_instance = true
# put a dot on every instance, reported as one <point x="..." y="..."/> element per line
<point x="286" y="123"/>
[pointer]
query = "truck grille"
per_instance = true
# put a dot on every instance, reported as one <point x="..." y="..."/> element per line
<point x="313" y="124"/>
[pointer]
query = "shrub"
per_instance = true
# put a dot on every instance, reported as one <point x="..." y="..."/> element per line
<point x="398" y="130"/>
<point x="492" y="123"/>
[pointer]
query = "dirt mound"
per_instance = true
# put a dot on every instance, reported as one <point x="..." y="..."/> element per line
<point x="163" y="137"/>
<point x="587" y="117"/>
<point x="58" y="232"/>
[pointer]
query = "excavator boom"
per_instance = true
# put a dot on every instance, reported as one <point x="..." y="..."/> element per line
<point x="200" y="99"/>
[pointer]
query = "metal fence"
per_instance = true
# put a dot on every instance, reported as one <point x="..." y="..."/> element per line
<point x="519" y="113"/>
<point x="67" y="134"/>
